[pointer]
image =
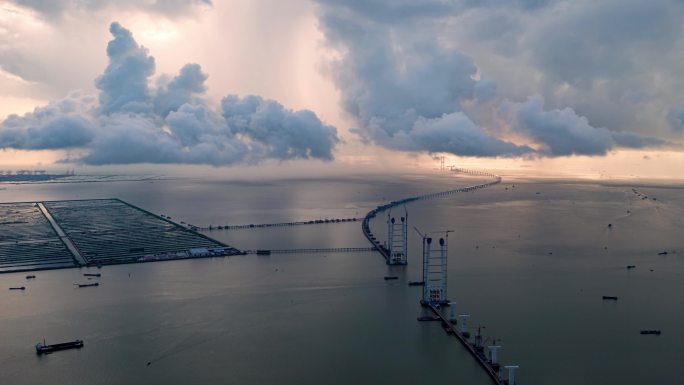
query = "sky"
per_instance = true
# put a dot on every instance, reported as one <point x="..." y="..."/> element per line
<point x="592" y="87"/>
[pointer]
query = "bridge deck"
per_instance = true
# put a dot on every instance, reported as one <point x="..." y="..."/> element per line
<point x="320" y="250"/>
<point x="365" y="226"/>
<point x="480" y="357"/>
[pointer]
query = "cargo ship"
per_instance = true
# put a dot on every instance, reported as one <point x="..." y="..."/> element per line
<point x="43" y="348"/>
<point x="87" y="284"/>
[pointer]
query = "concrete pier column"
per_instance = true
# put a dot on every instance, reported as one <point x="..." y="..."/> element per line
<point x="511" y="373"/>
<point x="463" y="326"/>
<point x="494" y="353"/>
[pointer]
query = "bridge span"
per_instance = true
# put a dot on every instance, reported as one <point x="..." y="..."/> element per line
<point x="313" y="250"/>
<point x="365" y="224"/>
<point x="490" y="366"/>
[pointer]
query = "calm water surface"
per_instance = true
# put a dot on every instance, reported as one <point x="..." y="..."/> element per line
<point x="531" y="268"/>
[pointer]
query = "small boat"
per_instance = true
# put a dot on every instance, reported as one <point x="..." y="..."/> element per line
<point x="663" y="253"/>
<point x="88" y="284"/>
<point x="610" y="297"/>
<point x="631" y="266"/>
<point x="656" y="332"/>
<point x="390" y="277"/>
<point x="30" y="276"/>
<point x="17" y="288"/>
<point x="428" y="318"/>
<point x="43" y="348"/>
<point x="416" y="283"/>
<point x="92" y="274"/>
<point x="263" y="252"/>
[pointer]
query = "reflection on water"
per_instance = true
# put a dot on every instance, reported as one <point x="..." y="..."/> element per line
<point x="531" y="268"/>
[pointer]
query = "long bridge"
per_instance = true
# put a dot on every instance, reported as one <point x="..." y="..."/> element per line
<point x="278" y="224"/>
<point x="490" y="366"/>
<point x="313" y="250"/>
<point x="365" y="226"/>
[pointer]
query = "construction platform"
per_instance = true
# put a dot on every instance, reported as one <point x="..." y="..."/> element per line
<point x="60" y="234"/>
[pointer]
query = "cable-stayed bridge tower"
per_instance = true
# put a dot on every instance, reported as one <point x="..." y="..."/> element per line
<point x="434" y="272"/>
<point x="397" y="244"/>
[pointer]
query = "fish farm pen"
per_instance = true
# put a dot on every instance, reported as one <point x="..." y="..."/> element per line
<point x="59" y="234"/>
<point x="28" y="242"/>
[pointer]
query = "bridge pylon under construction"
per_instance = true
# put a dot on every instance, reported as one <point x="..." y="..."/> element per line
<point x="434" y="273"/>
<point x="397" y="244"/>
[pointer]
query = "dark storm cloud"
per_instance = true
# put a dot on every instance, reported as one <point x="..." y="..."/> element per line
<point x="133" y="123"/>
<point x="130" y="139"/>
<point x="180" y="90"/>
<point x="632" y="140"/>
<point x="62" y="124"/>
<point x="408" y="86"/>
<point x="676" y="119"/>
<point x="564" y="132"/>
<point x="405" y="92"/>
<point x="281" y="133"/>
<point x="485" y="90"/>
<point x="55" y="8"/>
<point x="123" y="85"/>
<point x="391" y="11"/>
<point x="605" y="35"/>
<point x="457" y="134"/>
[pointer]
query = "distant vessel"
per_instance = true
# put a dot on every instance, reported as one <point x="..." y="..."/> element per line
<point x="391" y="277"/>
<point x="30" y="276"/>
<point x="92" y="274"/>
<point x="88" y="284"/>
<point x="18" y="288"/>
<point x="656" y="332"/>
<point x="43" y="348"/>
<point x="612" y="297"/>
<point x="631" y="266"/>
<point x="416" y="283"/>
<point x="263" y="252"/>
<point x="663" y="253"/>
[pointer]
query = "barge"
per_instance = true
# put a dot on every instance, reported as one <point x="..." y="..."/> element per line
<point x="43" y="348"/>
<point x="88" y="284"/>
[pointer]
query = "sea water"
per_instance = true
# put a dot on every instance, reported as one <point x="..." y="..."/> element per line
<point x="530" y="263"/>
